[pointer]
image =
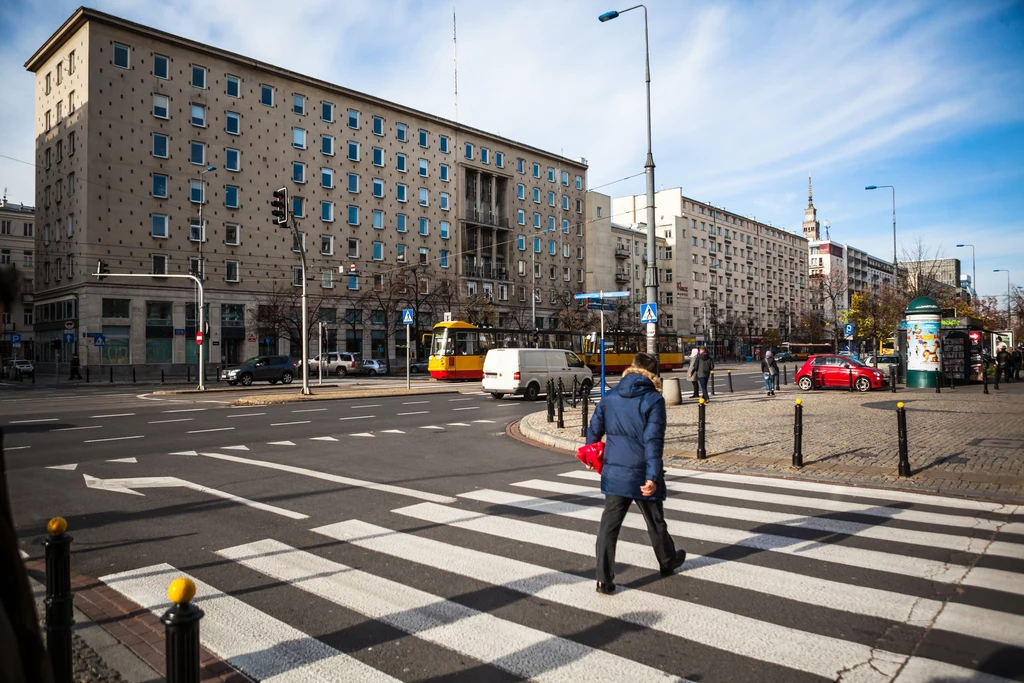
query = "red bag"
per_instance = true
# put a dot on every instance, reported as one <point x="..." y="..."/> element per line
<point x="592" y="455"/>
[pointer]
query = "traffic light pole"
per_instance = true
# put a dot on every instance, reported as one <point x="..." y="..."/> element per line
<point x="305" y="311"/>
<point x="202" y="317"/>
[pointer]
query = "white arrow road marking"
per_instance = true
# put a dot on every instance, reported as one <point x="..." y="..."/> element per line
<point x="236" y="448"/>
<point x="433" y="427"/>
<point x="130" y="484"/>
<point x="369" y="434"/>
<point x="458" y="424"/>
<point x="392" y="431"/>
<point x="322" y="438"/>
<point x="184" y="453"/>
<point x="280" y="443"/>
<point x="131" y="460"/>
<point x="69" y="468"/>
<point x="334" y="478"/>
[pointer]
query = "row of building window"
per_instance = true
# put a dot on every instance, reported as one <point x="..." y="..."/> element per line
<point x="7" y="228"/>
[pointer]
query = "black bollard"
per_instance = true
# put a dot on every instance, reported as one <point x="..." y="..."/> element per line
<point x="586" y="418"/>
<point x="161" y="376"/>
<point x="574" y="391"/>
<point x="798" y="434"/>
<point x="850" y="370"/>
<point x="892" y="377"/>
<point x="712" y="382"/>
<point x="181" y="629"/>
<point x="133" y="374"/>
<point x="87" y="374"/>
<point x="188" y="374"/>
<point x="219" y="369"/>
<point x="996" y="383"/>
<point x="938" y="382"/>
<point x="702" y="452"/>
<point x="901" y="425"/>
<point x="728" y="373"/>
<point x="111" y="374"/>
<point x="550" y="398"/>
<point x="984" y="378"/>
<point x="785" y="376"/>
<point x="59" y="600"/>
<point x="561" y="404"/>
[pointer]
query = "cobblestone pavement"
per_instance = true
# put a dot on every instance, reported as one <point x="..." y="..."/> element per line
<point x="960" y="441"/>
<point x="89" y="667"/>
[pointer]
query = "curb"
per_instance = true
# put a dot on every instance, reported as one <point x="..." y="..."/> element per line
<point x="227" y="389"/>
<point x="270" y="400"/>
<point x="531" y="433"/>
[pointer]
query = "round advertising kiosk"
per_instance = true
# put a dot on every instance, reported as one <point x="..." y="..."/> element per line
<point x="924" y="343"/>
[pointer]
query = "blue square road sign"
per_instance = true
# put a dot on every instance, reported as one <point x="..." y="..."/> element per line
<point x="649" y="313"/>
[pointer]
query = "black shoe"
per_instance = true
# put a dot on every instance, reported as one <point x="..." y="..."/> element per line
<point x="605" y="588"/>
<point x="677" y="562"/>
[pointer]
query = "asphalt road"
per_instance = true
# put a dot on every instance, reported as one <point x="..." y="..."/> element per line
<point x="409" y="538"/>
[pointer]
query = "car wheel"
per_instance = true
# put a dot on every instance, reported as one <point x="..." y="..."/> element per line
<point x="497" y="394"/>
<point x="805" y="383"/>
<point x="414" y="369"/>
<point x="862" y="384"/>
<point x="286" y="378"/>
<point x="340" y="372"/>
<point x="532" y="391"/>
<point x="245" y="379"/>
<point x="586" y="387"/>
<point x="232" y="382"/>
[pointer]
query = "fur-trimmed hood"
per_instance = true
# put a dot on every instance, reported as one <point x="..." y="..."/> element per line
<point x="655" y="380"/>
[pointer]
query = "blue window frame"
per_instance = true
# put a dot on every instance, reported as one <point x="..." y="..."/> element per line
<point x="443" y="143"/>
<point x="424" y="138"/>
<point x="353" y="119"/>
<point x="353" y="151"/>
<point x="444" y="173"/>
<point x="400" y="164"/>
<point x="444" y="258"/>
<point x="424" y="197"/>
<point x="552" y="247"/>
<point x="327" y="145"/>
<point x="423" y="168"/>
<point x="551" y="198"/>
<point x="445" y="230"/>
<point x="485" y="155"/>
<point x="327" y="211"/>
<point x="469" y="150"/>
<point x="521" y="165"/>
<point x="401" y="222"/>
<point x="378" y="187"/>
<point x="326" y="178"/>
<point x="536" y="170"/>
<point x="536" y="245"/>
<point x="298" y="138"/>
<point x="551" y="222"/>
<point x="536" y="195"/>
<point x="197" y="153"/>
<point x="161" y="66"/>
<point x="401" y="132"/>
<point x="424" y="226"/>
<point x="121" y="53"/>
<point x="353" y="182"/>
<point x="565" y="226"/>
<point x="378" y="156"/>
<point x="233" y="87"/>
<point x="198" y="77"/>
<point x="327" y="112"/>
<point x="521" y="191"/>
<point x="231" y="196"/>
<point x="266" y="96"/>
<point x="444" y="201"/>
<point x="195" y="191"/>
<point x="353" y="282"/>
<point x="298" y="172"/>
<point x="401" y="192"/>
<point x="378" y="125"/>
<point x="400" y="251"/>
<point x="378" y="251"/>
<point x="499" y="159"/>
<point x="536" y="220"/>
<point x="378" y="219"/>
<point x="159" y="228"/>
<point x="521" y="217"/>
<point x="233" y="123"/>
<point x="565" y="178"/>
<point x="159" y="186"/>
<point x="551" y="175"/>
<point x="579" y="182"/>
<point x="521" y="242"/>
<point x="232" y="159"/>
<point x="299" y="104"/>
<point x="298" y="207"/>
<point x="353" y="215"/>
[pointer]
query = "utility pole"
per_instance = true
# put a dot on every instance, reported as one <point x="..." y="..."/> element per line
<point x="202" y="277"/>
<point x="280" y="212"/>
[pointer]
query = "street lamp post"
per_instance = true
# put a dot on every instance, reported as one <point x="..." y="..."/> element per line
<point x="1009" y="321"/>
<point x="974" y="268"/>
<point x="202" y="275"/>
<point x="652" y="264"/>
<point x="533" y="266"/>
<point x="895" y="266"/>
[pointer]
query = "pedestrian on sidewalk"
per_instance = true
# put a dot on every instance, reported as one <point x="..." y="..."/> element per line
<point x="770" y="370"/>
<point x="632" y="416"/>
<point x="1018" y="358"/>
<point x="1004" y="364"/>
<point x="75" y="367"/>
<point x="691" y="372"/>
<point x="704" y="367"/>
<point x="22" y="655"/>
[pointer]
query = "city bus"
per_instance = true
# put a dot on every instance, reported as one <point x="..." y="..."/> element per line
<point x="458" y="348"/>
<point x="802" y="351"/>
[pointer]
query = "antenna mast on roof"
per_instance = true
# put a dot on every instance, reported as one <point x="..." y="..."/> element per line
<point x="827" y="225"/>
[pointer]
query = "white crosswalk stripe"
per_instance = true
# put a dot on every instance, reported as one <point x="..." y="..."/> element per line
<point x="782" y="583"/>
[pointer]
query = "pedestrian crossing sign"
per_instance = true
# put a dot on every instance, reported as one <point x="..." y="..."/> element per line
<point x="407" y="316"/>
<point x="649" y="313"/>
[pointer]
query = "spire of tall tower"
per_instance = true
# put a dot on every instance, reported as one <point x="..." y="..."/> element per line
<point x="811" y="226"/>
<point x="810" y="195"/>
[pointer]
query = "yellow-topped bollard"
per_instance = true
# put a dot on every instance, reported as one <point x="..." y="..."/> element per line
<point x="700" y="401"/>
<point x="181" y="591"/>
<point x="799" y="401"/>
<point x="899" y="405"/>
<point x="798" y="433"/>
<point x="57" y="526"/>
<point x="728" y="374"/>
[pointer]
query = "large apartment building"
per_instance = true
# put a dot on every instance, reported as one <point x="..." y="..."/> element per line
<point x="17" y="248"/>
<point x="732" y="276"/>
<point x="140" y="132"/>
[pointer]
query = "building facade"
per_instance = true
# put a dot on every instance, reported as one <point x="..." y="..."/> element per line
<point x="17" y="248"/>
<point x="158" y="155"/>
<point x="732" y="277"/>
<point x="937" y="277"/>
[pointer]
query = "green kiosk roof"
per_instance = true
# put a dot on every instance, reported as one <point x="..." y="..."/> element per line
<point x="924" y="304"/>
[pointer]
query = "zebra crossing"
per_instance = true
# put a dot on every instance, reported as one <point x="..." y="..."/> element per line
<point x="784" y="581"/>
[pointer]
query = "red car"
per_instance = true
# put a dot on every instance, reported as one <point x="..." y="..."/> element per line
<point x="833" y="370"/>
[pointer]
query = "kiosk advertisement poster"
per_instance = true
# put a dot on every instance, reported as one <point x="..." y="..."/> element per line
<point x="923" y="345"/>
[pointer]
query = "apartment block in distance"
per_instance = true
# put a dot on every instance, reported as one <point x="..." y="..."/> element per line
<point x="733" y="277"/>
<point x="137" y="129"/>
<point x="17" y="248"/>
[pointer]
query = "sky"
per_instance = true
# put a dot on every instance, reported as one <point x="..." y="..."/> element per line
<point x="747" y="98"/>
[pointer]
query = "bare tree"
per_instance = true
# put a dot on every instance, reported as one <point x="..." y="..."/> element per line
<point x="279" y="313"/>
<point x="920" y="267"/>
<point x="479" y="310"/>
<point x="828" y="296"/>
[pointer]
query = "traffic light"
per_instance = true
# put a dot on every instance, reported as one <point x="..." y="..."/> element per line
<point x="102" y="269"/>
<point x="279" y="206"/>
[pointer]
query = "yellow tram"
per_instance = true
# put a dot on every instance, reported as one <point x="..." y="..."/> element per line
<point x="457" y="348"/>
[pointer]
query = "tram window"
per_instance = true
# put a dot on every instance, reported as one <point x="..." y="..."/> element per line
<point x="485" y="343"/>
<point x="465" y="343"/>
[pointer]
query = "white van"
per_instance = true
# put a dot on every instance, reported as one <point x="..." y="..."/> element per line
<point x="527" y="371"/>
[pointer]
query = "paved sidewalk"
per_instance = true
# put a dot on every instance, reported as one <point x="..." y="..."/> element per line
<point x="961" y="441"/>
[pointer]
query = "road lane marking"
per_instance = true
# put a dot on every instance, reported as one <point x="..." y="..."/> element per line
<point x="310" y="410"/>
<point x="125" y="460"/>
<point x="458" y="424"/>
<point x="280" y="443"/>
<point x="415" y="412"/>
<point x="185" y="410"/>
<point x="96" y="417"/>
<point x="116" y="438"/>
<point x="490" y="422"/>
<point x="16" y="448"/>
<point x="71" y="429"/>
<point x="468" y="408"/>
<point x="334" y="478"/>
<point x="244" y="635"/>
<point x="235" y="448"/>
<point x="357" y="417"/>
<point x="432" y="427"/>
<point x="369" y="434"/>
<point x="245" y="415"/>
<point x="25" y="422"/>
<point x="322" y="438"/>
<point x="392" y="431"/>
<point x="285" y="424"/>
<point x="372" y="405"/>
<point x="203" y="431"/>
<point x="459" y="399"/>
<point x="180" y="419"/>
<point x="413" y="403"/>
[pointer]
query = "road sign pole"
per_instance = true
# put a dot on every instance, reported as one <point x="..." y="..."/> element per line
<point x="320" y="365"/>
<point x="408" y="370"/>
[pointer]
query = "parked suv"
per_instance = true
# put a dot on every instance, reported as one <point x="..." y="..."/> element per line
<point x="338" y="363"/>
<point x="271" y="369"/>
<point x="20" y="365"/>
<point x="835" y="370"/>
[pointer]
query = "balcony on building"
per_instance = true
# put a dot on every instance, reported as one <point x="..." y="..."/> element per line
<point x="621" y="252"/>
<point x="621" y="276"/>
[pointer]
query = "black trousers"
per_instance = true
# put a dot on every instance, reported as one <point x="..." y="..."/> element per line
<point x="615" y="509"/>
<point x="696" y="388"/>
